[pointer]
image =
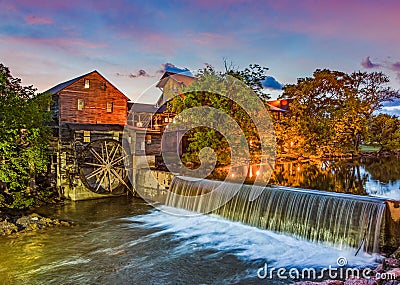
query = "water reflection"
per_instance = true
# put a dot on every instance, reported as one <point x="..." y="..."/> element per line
<point x="366" y="176"/>
<point x="336" y="176"/>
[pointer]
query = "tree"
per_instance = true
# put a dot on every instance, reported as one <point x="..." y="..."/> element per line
<point x="23" y="135"/>
<point x="213" y="89"/>
<point x="385" y="132"/>
<point x="332" y="111"/>
<point x="253" y="76"/>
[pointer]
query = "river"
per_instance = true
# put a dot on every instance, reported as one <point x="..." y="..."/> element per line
<point x="125" y="241"/>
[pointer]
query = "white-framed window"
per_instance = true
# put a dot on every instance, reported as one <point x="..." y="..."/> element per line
<point x="87" y="83"/>
<point x="81" y="104"/>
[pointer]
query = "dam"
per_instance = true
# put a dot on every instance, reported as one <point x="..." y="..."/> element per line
<point x="334" y="219"/>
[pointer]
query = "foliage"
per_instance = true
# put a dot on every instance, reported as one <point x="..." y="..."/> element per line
<point x="383" y="169"/>
<point x="385" y="132"/>
<point x="332" y="111"/>
<point x="329" y="175"/>
<point x="253" y="76"/>
<point x="23" y="135"/>
<point x="207" y="90"/>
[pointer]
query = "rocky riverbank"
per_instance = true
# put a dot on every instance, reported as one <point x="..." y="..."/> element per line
<point x="386" y="273"/>
<point x="11" y="223"/>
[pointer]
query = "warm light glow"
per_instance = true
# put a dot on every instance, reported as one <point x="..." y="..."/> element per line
<point x="298" y="168"/>
<point x="233" y="174"/>
<point x="258" y="172"/>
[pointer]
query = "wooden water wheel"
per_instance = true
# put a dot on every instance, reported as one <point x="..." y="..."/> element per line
<point x="102" y="167"/>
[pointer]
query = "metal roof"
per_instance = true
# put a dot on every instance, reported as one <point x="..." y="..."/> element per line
<point x="147" y="108"/>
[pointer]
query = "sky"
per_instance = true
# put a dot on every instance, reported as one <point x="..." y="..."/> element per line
<point x="132" y="42"/>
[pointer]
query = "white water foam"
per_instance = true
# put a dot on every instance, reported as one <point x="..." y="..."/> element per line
<point x="246" y="242"/>
<point x="54" y="265"/>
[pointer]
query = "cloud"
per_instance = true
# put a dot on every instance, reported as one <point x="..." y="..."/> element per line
<point x="395" y="66"/>
<point x="137" y="74"/>
<point x="394" y="103"/>
<point x="385" y="64"/>
<point x="392" y="110"/>
<point x="169" y="67"/>
<point x="272" y="83"/>
<point x="366" y="63"/>
<point x="164" y="68"/>
<point x="33" y="20"/>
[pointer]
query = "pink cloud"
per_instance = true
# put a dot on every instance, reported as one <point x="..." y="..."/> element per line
<point x="367" y="63"/>
<point x="385" y="65"/>
<point x="214" y="40"/>
<point x="395" y="66"/>
<point x="210" y="4"/>
<point x="45" y="3"/>
<point x="33" y="20"/>
<point x="8" y="7"/>
<point x="137" y="74"/>
<point x="369" y="20"/>
<point x="74" y="45"/>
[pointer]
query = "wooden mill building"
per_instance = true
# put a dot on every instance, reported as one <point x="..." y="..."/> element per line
<point x="89" y="114"/>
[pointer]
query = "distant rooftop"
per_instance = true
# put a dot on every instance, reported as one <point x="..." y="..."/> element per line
<point x="176" y="70"/>
<point x="146" y="108"/>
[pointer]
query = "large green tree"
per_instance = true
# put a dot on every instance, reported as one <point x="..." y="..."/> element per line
<point x="23" y="135"/>
<point x="332" y="111"/>
<point x="213" y="88"/>
<point x="385" y="132"/>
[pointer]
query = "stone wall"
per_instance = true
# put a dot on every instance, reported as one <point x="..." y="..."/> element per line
<point x="390" y="234"/>
<point x="153" y="184"/>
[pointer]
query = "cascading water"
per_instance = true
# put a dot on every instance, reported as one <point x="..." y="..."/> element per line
<point x="340" y="220"/>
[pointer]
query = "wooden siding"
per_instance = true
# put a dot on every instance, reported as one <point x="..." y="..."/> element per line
<point x="95" y="99"/>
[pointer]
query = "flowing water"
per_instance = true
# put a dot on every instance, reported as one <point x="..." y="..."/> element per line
<point x="125" y="241"/>
<point x="336" y="219"/>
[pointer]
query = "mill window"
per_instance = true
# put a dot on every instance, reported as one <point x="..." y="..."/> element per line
<point x="110" y="107"/>
<point x="81" y="104"/>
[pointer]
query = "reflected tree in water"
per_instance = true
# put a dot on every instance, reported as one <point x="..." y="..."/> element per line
<point x="384" y="169"/>
<point x="334" y="176"/>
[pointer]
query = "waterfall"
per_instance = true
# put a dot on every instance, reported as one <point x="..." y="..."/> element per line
<point x="340" y="220"/>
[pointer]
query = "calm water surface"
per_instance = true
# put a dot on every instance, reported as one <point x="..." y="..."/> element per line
<point x="366" y="176"/>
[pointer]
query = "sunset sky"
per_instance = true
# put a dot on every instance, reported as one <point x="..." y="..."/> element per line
<point x="131" y="42"/>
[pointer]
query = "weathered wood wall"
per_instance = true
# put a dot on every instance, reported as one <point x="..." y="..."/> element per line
<point x="96" y="97"/>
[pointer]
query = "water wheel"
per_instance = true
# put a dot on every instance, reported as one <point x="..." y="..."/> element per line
<point x="102" y="167"/>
